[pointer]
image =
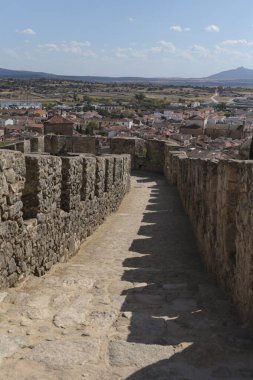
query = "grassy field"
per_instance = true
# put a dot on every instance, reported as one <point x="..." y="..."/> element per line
<point x="72" y="92"/>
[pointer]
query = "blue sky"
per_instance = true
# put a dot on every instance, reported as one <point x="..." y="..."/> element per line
<point x="154" y="38"/>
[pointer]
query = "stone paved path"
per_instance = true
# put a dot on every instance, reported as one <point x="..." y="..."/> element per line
<point x="134" y="303"/>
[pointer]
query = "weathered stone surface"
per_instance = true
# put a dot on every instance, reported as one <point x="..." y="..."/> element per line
<point x="145" y="154"/>
<point x="35" y="307"/>
<point x="102" y="320"/>
<point x="69" y="317"/>
<point x="78" y="282"/>
<point x="74" y="312"/>
<point x="55" y="144"/>
<point x="218" y="197"/>
<point x="65" y="354"/>
<point x="151" y="311"/>
<point x="9" y="345"/>
<point x="124" y="354"/>
<point x="2" y="296"/>
<point x="72" y="171"/>
<point x="139" y="287"/>
<point x="48" y="205"/>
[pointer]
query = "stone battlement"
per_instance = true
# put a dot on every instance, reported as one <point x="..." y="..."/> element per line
<point x="50" y="204"/>
<point x="218" y="198"/>
<point x="55" y="144"/>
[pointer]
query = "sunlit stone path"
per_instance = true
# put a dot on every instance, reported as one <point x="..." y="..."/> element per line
<point x="134" y="303"/>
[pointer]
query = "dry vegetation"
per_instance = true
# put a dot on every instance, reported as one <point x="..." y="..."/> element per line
<point x="69" y="92"/>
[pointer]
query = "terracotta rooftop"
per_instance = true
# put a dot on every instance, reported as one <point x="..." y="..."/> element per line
<point x="196" y="117"/>
<point x="193" y="126"/>
<point x="35" y="125"/>
<point x="58" y="119"/>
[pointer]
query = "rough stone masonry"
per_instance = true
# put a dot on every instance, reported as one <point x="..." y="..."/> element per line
<point x="217" y="196"/>
<point x="50" y="204"/>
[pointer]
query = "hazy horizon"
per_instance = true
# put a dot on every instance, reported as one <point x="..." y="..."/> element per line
<point x="126" y="38"/>
<point x="121" y="76"/>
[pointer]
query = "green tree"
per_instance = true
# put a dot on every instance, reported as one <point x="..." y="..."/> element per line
<point x="48" y="105"/>
<point x="140" y="97"/>
<point x="221" y="106"/>
<point x="91" y="126"/>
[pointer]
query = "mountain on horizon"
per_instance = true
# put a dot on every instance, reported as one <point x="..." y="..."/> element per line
<point x="235" y="77"/>
<point x="23" y="74"/>
<point x="241" y="73"/>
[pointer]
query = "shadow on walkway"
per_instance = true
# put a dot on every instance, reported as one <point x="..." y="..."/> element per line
<point x="175" y="303"/>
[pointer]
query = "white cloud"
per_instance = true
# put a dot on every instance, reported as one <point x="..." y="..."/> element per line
<point x="19" y="54"/>
<point x="156" y="49"/>
<point x="122" y="52"/>
<point x="236" y="42"/>
<point x="230" y="53"/>
<point x="12" y="53"/>
<point x="186" y="55"/>
<point x="167" y="46"/>
<point x="27" y="31"/>
<point x="72" y="47"/>
<point x="49" y="47"/>
<point x="176" y="28"/>
<point x="88" y="54"/>
<point x="179" y="29"/>
<point x="200" y="50"/>
<point x="139" y="54"/>
<point x="131" y="19"/>
<point x="212" y="28"/>
<point x="129" y="53"/>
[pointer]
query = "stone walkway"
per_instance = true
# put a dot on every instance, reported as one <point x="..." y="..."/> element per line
<point x="134" y="303"/>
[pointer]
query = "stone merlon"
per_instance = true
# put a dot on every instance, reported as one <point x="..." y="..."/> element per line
<point x="49" y="204"/>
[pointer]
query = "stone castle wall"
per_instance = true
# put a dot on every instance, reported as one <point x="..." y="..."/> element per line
<point x="218" y="197"/>
<point x="49" y="205"/>
<point x="56" y="145"/>
<point x="145" y="154"/>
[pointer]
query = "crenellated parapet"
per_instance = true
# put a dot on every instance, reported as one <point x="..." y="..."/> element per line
<point x="145" y="154"/>
<point x="218" y="198"/>
<point x="50" y="204"/>
<point x="217" y="195"/>
<point x="55" y="145"/>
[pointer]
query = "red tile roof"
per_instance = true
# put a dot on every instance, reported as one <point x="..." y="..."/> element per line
<point x="58" y="119"/>
<point x="196" y="117"/>
<point x="35" y="125"/>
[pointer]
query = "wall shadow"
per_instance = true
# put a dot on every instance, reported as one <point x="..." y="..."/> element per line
<point x="174" y="303"/>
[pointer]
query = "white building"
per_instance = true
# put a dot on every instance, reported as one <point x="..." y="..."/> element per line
<point x="195" y="104"/>
<point x="8" y="122"/>
<point x="196" y="120"/>
<point x="126" y="123"/>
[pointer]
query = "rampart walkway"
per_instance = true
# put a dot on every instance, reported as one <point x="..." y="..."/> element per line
<point x="134" y="303"/>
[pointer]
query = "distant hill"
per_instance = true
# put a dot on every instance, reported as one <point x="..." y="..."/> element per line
<point x="18" y="74"/>
<point x="241" y="73"/>
<point x="240" y="77"/>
